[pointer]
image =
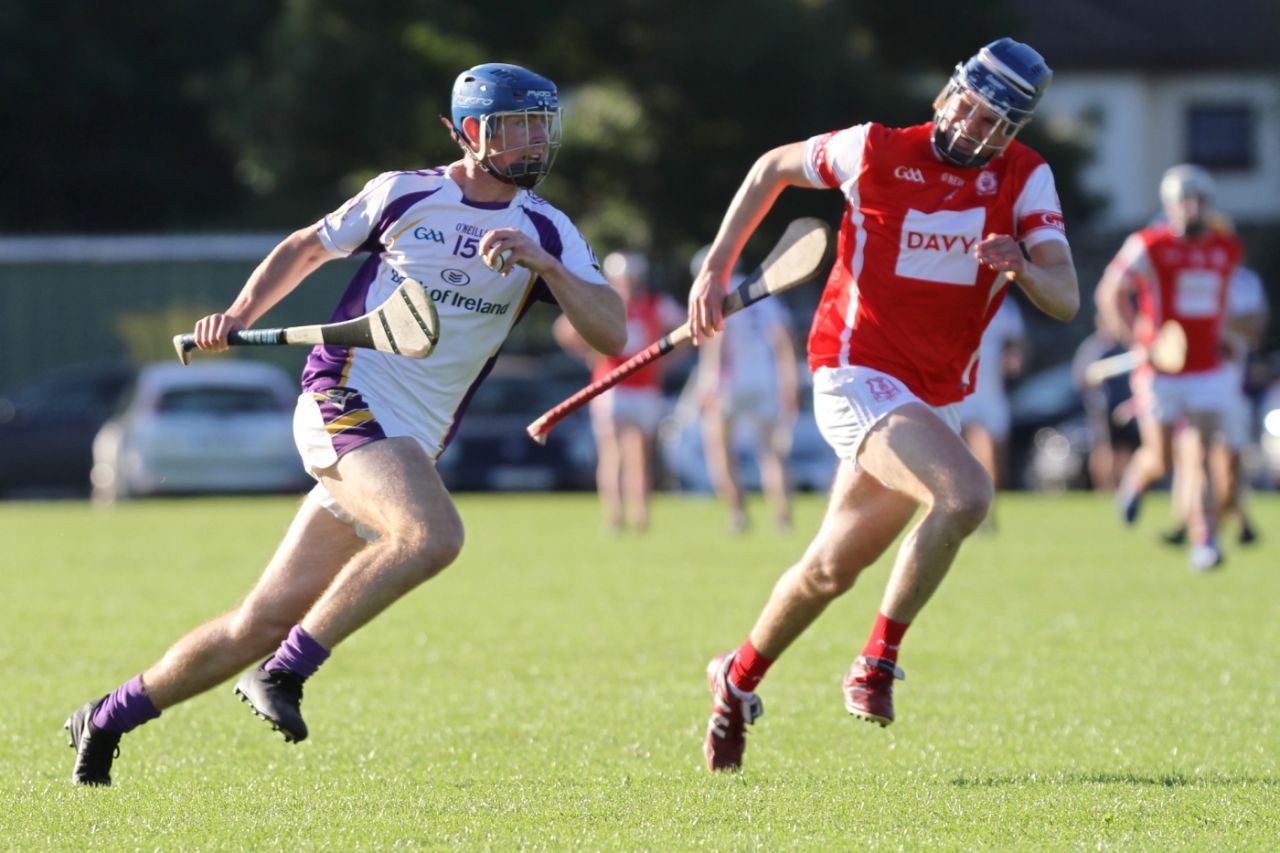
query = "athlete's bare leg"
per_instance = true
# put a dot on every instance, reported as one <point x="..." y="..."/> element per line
<point x="913" y="451"/>
<point x="313" y="551"/>
<point x="634" y="451"/>
<point x="1202" y="426"/>
<point x="1153" y="458"/>
<point x="720" y="464"/>
<point x="609" y="474"/>
<point x="863" y="518"/>
<point x="775" y="447"/>
<point x="986" y="450"/>
<point x="391" y="486"/>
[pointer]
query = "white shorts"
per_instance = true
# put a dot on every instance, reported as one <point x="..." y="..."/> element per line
<point x="330" y="424"/>
<point x="1166" y="398"/>
<point x="636" y="407"/>
<point x="989" y="411"/>
<point x="760" y="404"/>
<point x="849" y="401"/>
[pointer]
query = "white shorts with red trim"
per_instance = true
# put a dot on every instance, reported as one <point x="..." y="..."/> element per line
<point x="1168" y="397"/>
<point x="849" y="401"/>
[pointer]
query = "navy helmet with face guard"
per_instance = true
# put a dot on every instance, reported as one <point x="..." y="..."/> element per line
<point x="1006" y="78"/>
<point x="512" y="110"/>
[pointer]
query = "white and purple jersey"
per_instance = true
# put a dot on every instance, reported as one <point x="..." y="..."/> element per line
<point x="418" y="225"/>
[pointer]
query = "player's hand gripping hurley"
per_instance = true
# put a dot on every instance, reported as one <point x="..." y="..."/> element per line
<point x="406" y="324"/>
<point x="796" y="258"/>
<point x="1167" y="353"/>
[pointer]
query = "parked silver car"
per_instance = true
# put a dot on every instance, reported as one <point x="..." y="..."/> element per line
<point x="215" y="426"/>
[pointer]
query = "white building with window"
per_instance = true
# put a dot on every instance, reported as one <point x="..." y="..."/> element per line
<point x="1148" y="85"/>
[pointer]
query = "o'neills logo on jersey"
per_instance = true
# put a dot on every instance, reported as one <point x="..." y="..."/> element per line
<point x="475" y="304"/>
<point x="909" y="173"/>
<point x="939" y="246"/>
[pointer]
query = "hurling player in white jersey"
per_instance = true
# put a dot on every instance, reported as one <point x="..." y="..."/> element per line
<point x="369" y="425"/>
<point x="940" y="219"/>
<point x="747" y="379"/>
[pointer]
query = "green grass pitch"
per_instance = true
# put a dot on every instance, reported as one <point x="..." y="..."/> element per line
<point x="1072" y="686"/>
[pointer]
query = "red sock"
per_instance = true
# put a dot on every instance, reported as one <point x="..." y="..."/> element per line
<point x="885" y="638"/>
<point x="748" y="667"/>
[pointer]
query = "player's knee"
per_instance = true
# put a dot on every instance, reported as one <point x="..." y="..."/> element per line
<point x="966" y="506"/>
<point x="430" y="550"/>
<point x="828" y="578"/>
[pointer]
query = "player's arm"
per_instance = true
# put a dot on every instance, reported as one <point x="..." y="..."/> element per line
<point x="772" y="172"/>
<point x="282" y="270"/>
<point x="1114" y="301"/>
<point x="595" y="310"/>
<point x="1046" y="272"/>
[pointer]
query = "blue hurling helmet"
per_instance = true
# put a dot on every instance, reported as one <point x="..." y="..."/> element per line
<point x="1008" y="78"/>
<point x="515" y="110"/>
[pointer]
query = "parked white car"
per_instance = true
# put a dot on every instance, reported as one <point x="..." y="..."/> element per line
<point x="214" y="426"/>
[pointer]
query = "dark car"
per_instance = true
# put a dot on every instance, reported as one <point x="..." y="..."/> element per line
<point x="47" y="428"/>
<point x="1049" y="435"/>
<point x="492" y="451"/>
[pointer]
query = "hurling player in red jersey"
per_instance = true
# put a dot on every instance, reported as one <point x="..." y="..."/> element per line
<point x="940" y="219"/>
<point x="1176" y="271"/>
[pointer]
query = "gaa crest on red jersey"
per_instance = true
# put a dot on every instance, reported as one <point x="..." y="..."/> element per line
<point x="882" y="389"/>
<point x="986" y="183"/>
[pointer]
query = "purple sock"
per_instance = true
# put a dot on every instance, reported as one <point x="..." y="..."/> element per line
<point x="126" y="708"/>
<point x="299" y="653"/>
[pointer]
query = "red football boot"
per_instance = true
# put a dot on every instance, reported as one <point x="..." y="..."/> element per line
<point x="868" y="689"/>
<point x="731" y="713"/>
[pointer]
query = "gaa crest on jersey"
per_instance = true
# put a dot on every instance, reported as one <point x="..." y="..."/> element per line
<point x="986" y="183"/>
<point x="882" y="390"/>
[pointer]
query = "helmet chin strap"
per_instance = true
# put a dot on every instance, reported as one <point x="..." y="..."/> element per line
<point x="526" y="181"/>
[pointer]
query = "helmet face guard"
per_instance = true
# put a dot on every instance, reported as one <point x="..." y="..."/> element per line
<point x="525" y="141"/>
<point x="987" y="101"/>
<point x="517" y="126"/>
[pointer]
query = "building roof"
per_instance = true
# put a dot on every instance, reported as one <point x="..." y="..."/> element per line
<point x="1154" y="35"/>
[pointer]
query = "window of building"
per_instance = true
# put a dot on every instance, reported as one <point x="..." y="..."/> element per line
<point x="1221" y="136"/>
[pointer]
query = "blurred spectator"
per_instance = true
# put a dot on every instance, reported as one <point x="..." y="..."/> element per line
<point x="747" y="380"/>
<point x="984" y="414"/>
<point x="625" y="418"/>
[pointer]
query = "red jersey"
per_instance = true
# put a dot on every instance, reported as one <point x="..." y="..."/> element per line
<point x="906" y="295"/>
<point x="649" y="317"/>
<point x="1184" y="279"/>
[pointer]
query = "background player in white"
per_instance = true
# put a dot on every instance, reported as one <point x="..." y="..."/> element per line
<point x="1176" y="271"/>
<point x="624" y="419"/>
<point x="747" y="380"/>
<point x="984" y="414"/>
<point x="369" y="425"/>
<point x="940" y="219"/>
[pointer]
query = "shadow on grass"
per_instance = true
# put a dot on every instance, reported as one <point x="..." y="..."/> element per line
<point x="1166" y="780"/>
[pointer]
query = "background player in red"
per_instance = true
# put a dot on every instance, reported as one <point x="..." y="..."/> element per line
<point x="940" y="219"/>
<point x="625" y="418"/>
<point x="1175" y="271"/>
